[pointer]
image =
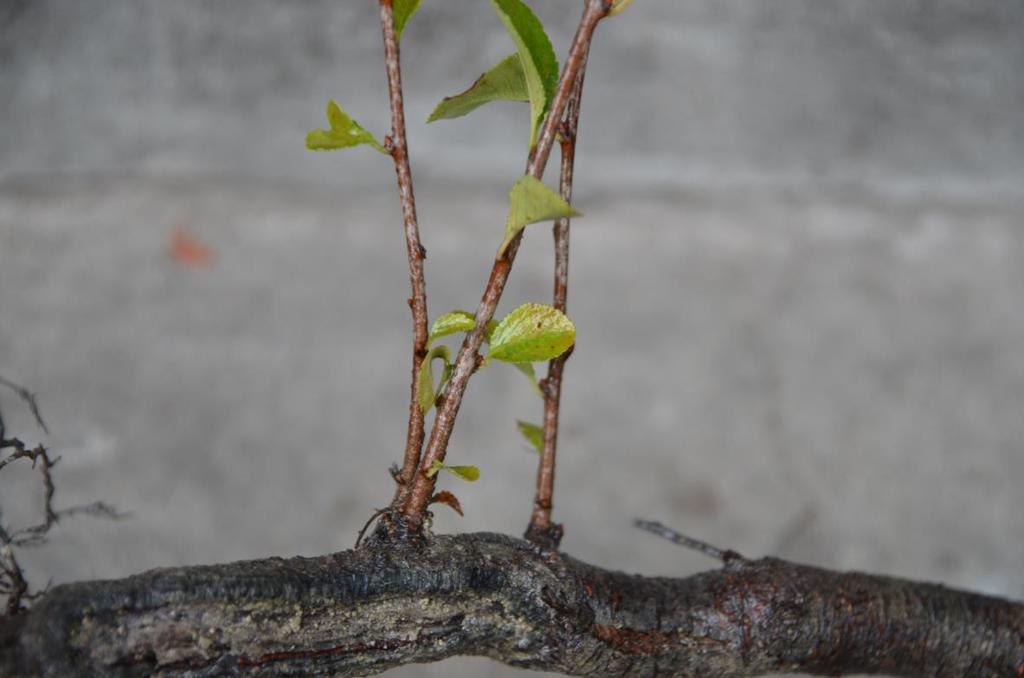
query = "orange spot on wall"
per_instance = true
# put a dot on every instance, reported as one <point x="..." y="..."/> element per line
<point x="186" y="249"/>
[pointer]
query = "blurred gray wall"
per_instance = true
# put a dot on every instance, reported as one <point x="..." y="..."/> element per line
<point x="798" y="282"/>
<point x="892" y="94"/>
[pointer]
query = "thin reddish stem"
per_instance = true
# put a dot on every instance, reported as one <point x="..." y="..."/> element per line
<point x="399" y="149"/>
<point x="468" y="358"/>
<point x="541" y="529"/>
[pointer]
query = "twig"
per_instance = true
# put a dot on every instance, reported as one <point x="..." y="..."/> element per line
<point x="39" y="456"/>
<point x="35" y="535"/>
<point x="541" y="530"/>
<point x="466" y="362"/>
<point x="376" y="514"/>
<point x="30" y="398"/>
<point x="654" y="527"/>
<point x="12" y="582"/>
<point x="16" y="586"/>
<point x="397" y="144"/>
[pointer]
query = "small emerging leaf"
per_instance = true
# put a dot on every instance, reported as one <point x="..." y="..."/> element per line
<point x="452" y="322"/>
<point x="618" y="6"/>
<point x="446" y="497"/>
<point x="344" y="132"/>
<point x="469" y="473"/>
<point x="540" y="66"/>
<point x="530" y="201"/>
<point x="425" y="386"/>
<point x="403" y="11"/>
<point x="531" y="333"/>
<point x="503" y="82"/>
<point x="534" y="434"/>
<point x="425" y="393"/>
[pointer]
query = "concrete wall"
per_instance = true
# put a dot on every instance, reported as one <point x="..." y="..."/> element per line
<point x="798" y="282"/>
<point x="901" y="95"/>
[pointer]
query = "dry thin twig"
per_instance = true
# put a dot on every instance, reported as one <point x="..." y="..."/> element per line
<point x="362" y="532"/>
<point x="13" y="583"/>
<point x="654" y="527"/>
<point x="16" y="587"/>
<point x="30" y="398"/>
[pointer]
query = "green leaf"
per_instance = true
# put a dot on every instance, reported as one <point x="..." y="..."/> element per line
<point x="344" y="133"/>
<point x="618" y="6"/>
<point x="469" y="473"/>
<point x="534" y="434"/>
<point x="530" y="201"/>
<point x="403" y="11"/>
<point x="531" y="333"/>
<point x="540" y="67"/>
<point x="425" y="393"/>
<point x="452" y="322"/>
<point x="505" y="81"/>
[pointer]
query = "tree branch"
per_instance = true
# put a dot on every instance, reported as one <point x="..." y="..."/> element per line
<point x="363" y="611"/>
<point x="466" y="362"/>
<point x="399" y="149"/>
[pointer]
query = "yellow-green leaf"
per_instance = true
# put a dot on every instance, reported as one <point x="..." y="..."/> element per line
<point x="425" y="392"/>
<point x="452" y="322"/>
<point x="618" y="6"/>
<point x="502" y="82"/>
<point x="534" y="434"/>
<point x="530" y="201"/>
<point x="540" y="66"/>
<point x="344" y="132"/>
<point x="403" y="11"/>
<point x="531" y="333"/>
<point x="469" y="473"/>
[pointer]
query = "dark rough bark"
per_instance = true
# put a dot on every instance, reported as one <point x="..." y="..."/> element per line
<point x="360" y="612"/>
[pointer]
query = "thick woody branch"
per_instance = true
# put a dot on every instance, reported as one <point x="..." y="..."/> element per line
<point x="399" y="148"/>
<point x="466" y="362"/>
<point x="361" y="612"/>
